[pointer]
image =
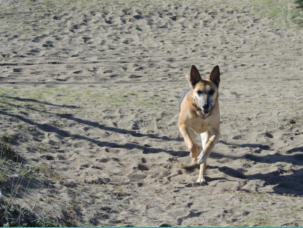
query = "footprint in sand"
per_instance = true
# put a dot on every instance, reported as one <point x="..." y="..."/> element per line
<point x="47" y="157"/>
<point x="38" y="39"/>
<point x="142" y="167"/>
<point x="86" y="39"/>
<point x="103" y="160"/>
<point x="192" y="214"/>
<point x="97" y="180"/>
<point x="48" y="44"/>
<point x="34" y="51"/>
<point x="17" y="70"/>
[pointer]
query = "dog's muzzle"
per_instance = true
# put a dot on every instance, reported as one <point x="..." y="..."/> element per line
<point x="204" y="107"/>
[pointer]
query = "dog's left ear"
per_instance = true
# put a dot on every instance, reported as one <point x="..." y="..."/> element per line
<point x="215" y="76"/>
<point x="194" y="76"/>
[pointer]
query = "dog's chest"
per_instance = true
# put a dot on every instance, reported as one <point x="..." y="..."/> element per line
<point x="198" y="125"/>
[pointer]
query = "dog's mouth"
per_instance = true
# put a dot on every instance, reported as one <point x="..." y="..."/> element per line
<point x="204" y="108"/>
<point x="205" y="111"/>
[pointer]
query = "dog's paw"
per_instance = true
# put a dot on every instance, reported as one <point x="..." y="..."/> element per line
<point x="212" y="139"/>
<point x="201" y="181"/>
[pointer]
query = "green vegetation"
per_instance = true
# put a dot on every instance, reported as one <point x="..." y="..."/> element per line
<point x="281" y="12"/>
<point x="7" y="152"/>
<point x="299" y="3"/>
<point x="47" y="172"/>
<point x="79" y="97"/>
<point x="14" y="215"/>
<point x="15" y="179"/>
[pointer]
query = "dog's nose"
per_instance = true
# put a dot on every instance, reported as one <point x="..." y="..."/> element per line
<point x="205" y="106"/>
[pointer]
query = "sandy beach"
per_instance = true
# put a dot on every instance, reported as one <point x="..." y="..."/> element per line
<point x="89" y="104"/>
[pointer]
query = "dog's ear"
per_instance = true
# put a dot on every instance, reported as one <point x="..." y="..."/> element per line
<point x="215" y="76"/>
<point x="194" y="76"/>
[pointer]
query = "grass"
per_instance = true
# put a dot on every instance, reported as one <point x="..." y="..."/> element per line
<point x="103" y="98"/>
<point x="16" y="179"/>
<point x="47" y="172"/>
<point x="299" y="4"/>
<point x="14" y="215"/>
<point x="7" y="152"/>
<point x="280" y="12"/>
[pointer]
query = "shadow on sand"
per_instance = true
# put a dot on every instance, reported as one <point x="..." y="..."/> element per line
<point x="63" y="133"/>
<point x="283" y="184"/>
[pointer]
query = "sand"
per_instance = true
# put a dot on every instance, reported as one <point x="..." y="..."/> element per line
<point x="89" y="96"/>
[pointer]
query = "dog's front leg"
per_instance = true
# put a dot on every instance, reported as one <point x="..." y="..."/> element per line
<point x="193" y="149"/>
<point x="201" y="178"/>
<point x="204" y="155"/>
<point x="207" y="149"/>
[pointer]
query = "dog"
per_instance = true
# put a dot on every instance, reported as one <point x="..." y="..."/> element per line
<point x="199" y="118"/>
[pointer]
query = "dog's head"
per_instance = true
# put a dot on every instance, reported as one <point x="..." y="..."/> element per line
<point x="205" y="90"/>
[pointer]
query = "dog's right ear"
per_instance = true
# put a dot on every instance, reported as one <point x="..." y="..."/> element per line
<point x="194" y="76"/>
<point x="215" y="75"/>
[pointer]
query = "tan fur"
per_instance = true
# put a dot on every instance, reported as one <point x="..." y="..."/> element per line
<point x="193" y="122"/>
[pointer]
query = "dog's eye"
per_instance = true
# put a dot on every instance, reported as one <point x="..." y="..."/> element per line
<point x="211" y="92"/>
<point x="200" y="92"/>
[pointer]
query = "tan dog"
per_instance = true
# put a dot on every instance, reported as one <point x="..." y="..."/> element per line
<point x="199" y="119"/>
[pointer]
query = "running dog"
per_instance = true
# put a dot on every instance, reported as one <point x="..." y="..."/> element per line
<point x="199" y="118"/>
